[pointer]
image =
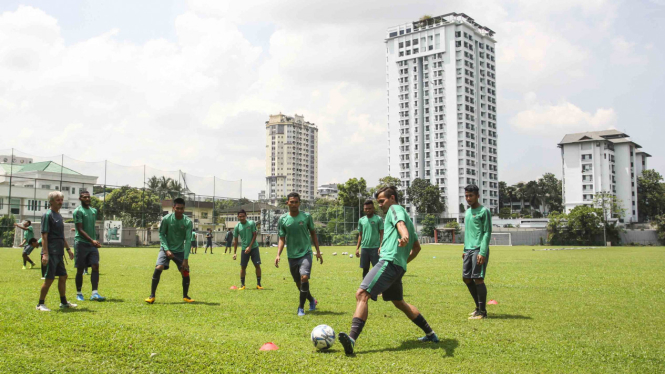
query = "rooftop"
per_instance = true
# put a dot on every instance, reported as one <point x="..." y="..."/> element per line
<point x="590" y="136"/>
<point x="47" y="166"/>
<point x="445" y="19"/>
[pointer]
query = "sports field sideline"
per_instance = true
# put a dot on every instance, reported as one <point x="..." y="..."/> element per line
<point x="587" y="310"/>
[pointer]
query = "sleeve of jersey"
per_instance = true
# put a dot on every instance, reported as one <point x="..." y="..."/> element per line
<point x="77" y="216"/>
<point x="282" y="230"/>
<point x="310" y="223"/>
<point x="163" y="232"/>
<point x="45" y="223"/>
<point x="235" y="231"/>
<point x="487" y="233"/>
<point x="188" y="243"/>
<point x="398" y="215"/>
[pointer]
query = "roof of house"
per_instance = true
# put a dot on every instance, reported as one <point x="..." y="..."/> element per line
<point x="251" y="207"/>
<point x="47" y="166"/>
<point x="592" y="136"/>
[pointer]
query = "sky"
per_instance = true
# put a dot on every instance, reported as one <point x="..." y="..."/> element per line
<point x="188" y="85"/>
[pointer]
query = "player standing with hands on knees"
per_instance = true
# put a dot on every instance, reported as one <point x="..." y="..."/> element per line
<point x="86" y="246"/>
<point x="175" y="233"/>
<point x="370" y="236"/>
<point x="295" y="230"/>
<point x="400" y="246"/>
<point x="53" y="252"/>
<point x="477" y="233"/>
<point x="247" y="232"/>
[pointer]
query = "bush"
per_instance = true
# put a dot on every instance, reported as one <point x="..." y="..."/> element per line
<point x="7" y="231"/>
<point x="660" y="228"/>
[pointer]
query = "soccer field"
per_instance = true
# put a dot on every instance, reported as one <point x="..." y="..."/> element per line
<point x="587" y="310"/>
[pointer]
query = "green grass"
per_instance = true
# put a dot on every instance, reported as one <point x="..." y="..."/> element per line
<point x="595" y="310"/>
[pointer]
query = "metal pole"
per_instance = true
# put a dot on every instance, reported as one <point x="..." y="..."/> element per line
<point x="62" y="166"/>
<point x="604" y="223"/>
<point x="143" y="200"/>
<point x="214" y="222"/>
<point x="104" y="202"/>
<point x="11" y="175"/>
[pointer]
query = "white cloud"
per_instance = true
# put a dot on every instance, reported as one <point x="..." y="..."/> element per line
<point x="625" y="53"/>
<point x="561" y="118"/>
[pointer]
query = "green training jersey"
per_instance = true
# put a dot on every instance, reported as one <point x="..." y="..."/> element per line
<point x="86" y="216"/>
<point x="193" y="235"/>
<point x="245" y="233"/>
<point x="390" y="249"/>
<point x="296" y="230"/>
<point x="175" y="234"/>
<point x="477" y="229"/>
<point x="370" y="230"/>
<point x="28" y="233"/>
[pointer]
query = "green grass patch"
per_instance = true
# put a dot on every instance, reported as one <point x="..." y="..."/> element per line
<point x="591" y="310"/>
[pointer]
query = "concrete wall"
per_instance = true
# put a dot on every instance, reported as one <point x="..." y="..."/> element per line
<point x="639" y="237"/>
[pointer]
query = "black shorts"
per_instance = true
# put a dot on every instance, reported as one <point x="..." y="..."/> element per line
<point x="228" y="244"/>
<point x="209" y="243"/>
<point x="85" y="254"/>
<point x="470" y="268"/>
<point x="301" y="266"/>
<point x="384" y="278"/>
<point x="194" y="244"/>
<point x="55" y="266"/>
<point x="254" y="254"/>
<point x="164" y="260"/>
<point x="367" y="256"/>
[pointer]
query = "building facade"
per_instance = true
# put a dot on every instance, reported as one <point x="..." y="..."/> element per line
<point x="24" y="188"/>
<point x="328" y="191"/>
<point x="601" y="161"/>
<point x="291" y="157"/>
<point x="441" y="88"/>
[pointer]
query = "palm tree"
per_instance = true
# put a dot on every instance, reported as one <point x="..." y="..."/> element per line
<point x="520" y="193"/>
<point x="511" y="192"/>
<point x="175" y="189"/>
<point x="153" y="184"/>
<point x="163" y="188"/>
<point x="532" y="194"/>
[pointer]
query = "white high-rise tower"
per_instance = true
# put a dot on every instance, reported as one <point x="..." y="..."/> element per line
<point x="441" y="88"/>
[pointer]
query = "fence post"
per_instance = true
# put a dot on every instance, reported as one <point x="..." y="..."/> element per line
<point x="11" y="175"/>
<point x="143" y="200"/>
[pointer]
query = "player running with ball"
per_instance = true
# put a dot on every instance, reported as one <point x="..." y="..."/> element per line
<point x="400" y="246"/>
<point x="295" y="230"/>
<point x="175" y="233"/>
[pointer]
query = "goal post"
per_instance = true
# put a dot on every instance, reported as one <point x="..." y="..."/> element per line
<point x="200" y="240"/>
<point x="501" y="238"/>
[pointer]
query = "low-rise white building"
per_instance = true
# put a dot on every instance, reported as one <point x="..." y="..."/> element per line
<point x="24" y="188"/>
<point x="328" y="191"/>
<point x="601" y="161"/>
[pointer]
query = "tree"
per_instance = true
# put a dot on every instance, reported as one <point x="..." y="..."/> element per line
<point x="585" y="224"/>
<point x="520" y="193"/>
<point x="7" y="230"/>
<point x="503" y="194"/>
<point x="550" y="190"/>
<point x="388" y="182"/>
<point x="425" y="197"/>
<point x="348" y="192"/>
<point x="504" y="213"/>
<point x="128" y="203"/>
<point x="153" y="184"/>
<point x="609" y="205"/>
<point x="429" y="225"/>
<point x="532" y="194"/>
<point x="650" y="195"/>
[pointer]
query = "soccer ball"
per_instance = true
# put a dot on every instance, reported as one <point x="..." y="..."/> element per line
<point x="351" y="256"/>
<point x="323" y="337"/>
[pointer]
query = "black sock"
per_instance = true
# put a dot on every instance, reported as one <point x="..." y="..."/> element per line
<point x="304" y="291"/>
<point x="482" y="297"/>
<point x="24" y="262"/>
<point x="258" y="281"/>
<point x="185" y="286"/>
<point x="422" y="323"/>
<point x="41" y="301"/>
<point x="357" y="325"/>
<point x="79" y="280"/>
<point x="365" y="271"/>
<point x="310" y="298"/>
<point x="155" y="282"/>
<point x="242" y="280"/>
<point x="94" y="279"/>
<point x="63" y="299"/>
<point x="29" y="260"/>
<point x="473" y="291"/>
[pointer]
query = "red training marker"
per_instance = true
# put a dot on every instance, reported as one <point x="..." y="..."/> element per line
<point x="269" y="347"/>
<point x="233" y="288"/>
<point x="492" y="302"/>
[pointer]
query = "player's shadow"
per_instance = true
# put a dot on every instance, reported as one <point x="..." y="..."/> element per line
<point x="194" y="303"/>
<point x="449" y="345"/>
<point x="111" y="300"/>
<point x="326" y="313"/>
<point x="508" y="316"/>
<point x="77" y="310"/>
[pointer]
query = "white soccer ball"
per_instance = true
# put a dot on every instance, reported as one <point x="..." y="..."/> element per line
<point x="351" y="256"/>
<point x="323" y="337"/>
<point x="334" y="253"/>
